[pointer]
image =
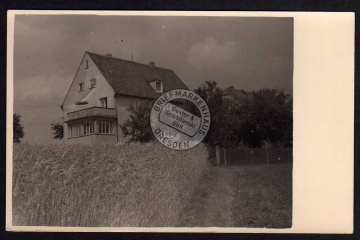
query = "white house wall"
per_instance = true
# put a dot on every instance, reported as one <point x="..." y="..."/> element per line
<point x="102" y="89"/>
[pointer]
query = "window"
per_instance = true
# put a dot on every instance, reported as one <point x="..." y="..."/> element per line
<point x="106" y="127"/>
<point x="86" y="64"/>
<point x="135" y="103"/>
<point x="103" y="102"/>
<point x="89" y="128"/>
<point x="76" y="130"/>
<point x="158" y="86"/>
<point x="93" y="83"/>
<point x="81" y="87"/>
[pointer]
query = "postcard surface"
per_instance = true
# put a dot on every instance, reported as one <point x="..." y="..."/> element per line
<point x="180" y="121"/>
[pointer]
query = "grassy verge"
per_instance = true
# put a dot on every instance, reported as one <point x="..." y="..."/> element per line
<point x="249" y="196"/>
<point x="263" y="196"/>
<point x="142" y="185"/>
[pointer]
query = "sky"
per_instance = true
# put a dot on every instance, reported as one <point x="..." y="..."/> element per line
<point x="245" y="52"/>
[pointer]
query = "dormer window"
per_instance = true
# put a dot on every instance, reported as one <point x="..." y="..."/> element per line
<point x="155" y="82"/>
<point x="93" y="83"/>
<point x="158" y="86"/>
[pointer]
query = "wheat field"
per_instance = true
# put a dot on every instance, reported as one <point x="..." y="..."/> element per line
<point x="135" y="185"/>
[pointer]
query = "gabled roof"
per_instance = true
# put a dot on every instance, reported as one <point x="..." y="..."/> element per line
<point x="132" y="78"/>
<point x="239" y="95"/>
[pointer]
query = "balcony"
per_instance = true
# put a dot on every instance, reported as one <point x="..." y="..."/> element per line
<point x="91" y="112"/>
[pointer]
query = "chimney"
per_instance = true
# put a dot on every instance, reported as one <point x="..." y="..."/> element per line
<point x="152" y="64"/>
<point x="108" y="55"/>
<point x="232" y="87"/>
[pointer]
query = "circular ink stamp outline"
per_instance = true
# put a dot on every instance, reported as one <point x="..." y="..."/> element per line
<point x="193" y="129"/>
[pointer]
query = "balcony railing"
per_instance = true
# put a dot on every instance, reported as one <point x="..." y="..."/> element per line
<point x="91" y="112"/>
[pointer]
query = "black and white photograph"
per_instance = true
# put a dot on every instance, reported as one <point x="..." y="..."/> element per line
<point x="152" y="121"/>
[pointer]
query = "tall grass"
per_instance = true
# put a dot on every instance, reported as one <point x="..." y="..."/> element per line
<point x="142" y="185"/>
<point x="263" y="196"/>
<point x="253" y="156"/>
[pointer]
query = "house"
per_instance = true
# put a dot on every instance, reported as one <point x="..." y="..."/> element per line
<point x="102" y="90"/>
<point x="234" y="94"/>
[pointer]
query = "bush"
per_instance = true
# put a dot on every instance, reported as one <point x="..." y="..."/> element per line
<point x="136" y="127"/>
<point x="137" y="185"/>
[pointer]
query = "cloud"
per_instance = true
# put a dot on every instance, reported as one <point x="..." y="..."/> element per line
<point x="42" y="86"/>
<point x="209" y="53"/>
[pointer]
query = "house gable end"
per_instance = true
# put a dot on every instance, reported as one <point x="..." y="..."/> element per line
<point x="87" y="96"/>
<point x="72" y="83"/>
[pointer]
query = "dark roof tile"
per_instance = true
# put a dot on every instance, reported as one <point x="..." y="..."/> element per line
<point x="132" y="78"/>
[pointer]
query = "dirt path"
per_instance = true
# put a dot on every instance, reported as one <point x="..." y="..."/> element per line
<point x="242" y="196"/>
<point x="212" y="202"/>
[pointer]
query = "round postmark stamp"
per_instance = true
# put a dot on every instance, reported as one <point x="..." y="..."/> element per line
<point x="174" y="125"/>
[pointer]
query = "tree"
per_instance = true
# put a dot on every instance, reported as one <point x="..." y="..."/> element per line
<point x="225" y="122"/>
<point x="58" y="131"/>
<point x="212" y="96"/>
<point x="137" y="127"/>
<point x="18" y="129"/>
<point x="263" y="119"/>
<point x="267" y="118"/>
